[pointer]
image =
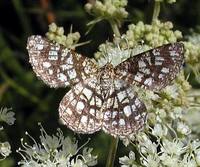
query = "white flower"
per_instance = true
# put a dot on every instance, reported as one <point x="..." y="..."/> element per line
<point x="159" y="130"/>
<point x="7" y="116"/>
<point x="176" y="113"/>
<point x="161" y="113"/>
<point x="169" y="161"/>
<point x="151" y="95"/>
<point x="176" y="147"/>
<point x="126" y="141"/>
<point x="52" y="27"/>
<point x="89" y="159"/>
<point x="151" y="161"/>
<point x="146" y="145"/>
<point x="5" y="149"/>
<point x="128" y="161"/>
<point x="195" y="145"/>
<point x="55" y="150"/>
<point x="183" y="128"/>
<point x="77" y="163"/>
<point x="188" y="161"/>
<point x="171" y="92"/>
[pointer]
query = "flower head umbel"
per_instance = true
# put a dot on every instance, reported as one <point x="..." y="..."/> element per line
<point x="108" y="10"/>
<point x="55" y="150"/>
<point x="57" y="34"/>
<point x="192" y="54"/>
<point x="117" y="52"/>
<point x="156" y="34"/>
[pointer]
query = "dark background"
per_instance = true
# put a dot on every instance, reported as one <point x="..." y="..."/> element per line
<point x="31" y="100"/>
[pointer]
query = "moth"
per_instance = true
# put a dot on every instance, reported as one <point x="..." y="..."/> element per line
<point x="103" y="98"/>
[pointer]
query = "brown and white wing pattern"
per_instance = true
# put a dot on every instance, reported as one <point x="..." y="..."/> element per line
<point x="56" y="65"/>
<point x="80" y="109"/>
<point x="124" y="113"/>
<point x="153" y="69"/>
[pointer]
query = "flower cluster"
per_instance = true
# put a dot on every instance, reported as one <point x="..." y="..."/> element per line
<point x="164" y="152"/>
<point x="108" y="10"/>
<point x="7" y="116"/>
<point x="55" y="150"/>
<point x="117" y="52"/>
<point x="57" y="34"/>
<point x="192" y="54"/>
<point x="139" y="37"/>
<point x="153" y="35"/>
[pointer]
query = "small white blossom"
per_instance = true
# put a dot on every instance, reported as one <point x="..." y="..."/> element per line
<point x="89" y="159"/>
<point x="151" y="161"/>
<point x="195" y="145"/>
<point x="5" y="149"/>
<point x="159" y="130"/>
<point x="188" y="161"/>
<point x="128" y="161"/>
<point x="171" y="92"/>
<point x="175" y="147"/>
<point x="176" y="113"/>
<point x="169" y="161"/>
<point x="78" y="163"/>
<point x="151" y="95"/>
<point x="183" y="128"/>
<point x="6" y="115"/>
<point x="161" y="113"/>
<point x="146" y="145"/>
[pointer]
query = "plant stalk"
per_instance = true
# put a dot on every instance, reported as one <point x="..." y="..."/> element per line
<point x="115" y="28"/>
<point x="156" y="11"/>
<point x="112" y="152"/>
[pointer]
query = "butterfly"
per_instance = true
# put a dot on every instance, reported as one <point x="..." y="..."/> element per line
<point x="103" y="97"/>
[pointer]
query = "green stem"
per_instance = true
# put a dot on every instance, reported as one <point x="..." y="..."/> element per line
<point x="156" y="11"/>
<point x="112" y="152"/>
<point x="115" y="28"/>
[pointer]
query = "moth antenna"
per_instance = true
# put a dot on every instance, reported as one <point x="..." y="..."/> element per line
<point x="127" y="43"/>
<point x="71" y="28"/>
<point x="106" y="54"/>
<point x="128" y="47"/>
<point x="141" y="42"/>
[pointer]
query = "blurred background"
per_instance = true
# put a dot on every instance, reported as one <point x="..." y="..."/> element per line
<point x="33" y="101"/>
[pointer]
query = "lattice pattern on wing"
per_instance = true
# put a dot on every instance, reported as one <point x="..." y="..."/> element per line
<point x="153" y="69"/>
<point x="124" y="113"/>
<point x="80" y="109"/>
<point x="56" y="65"/>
